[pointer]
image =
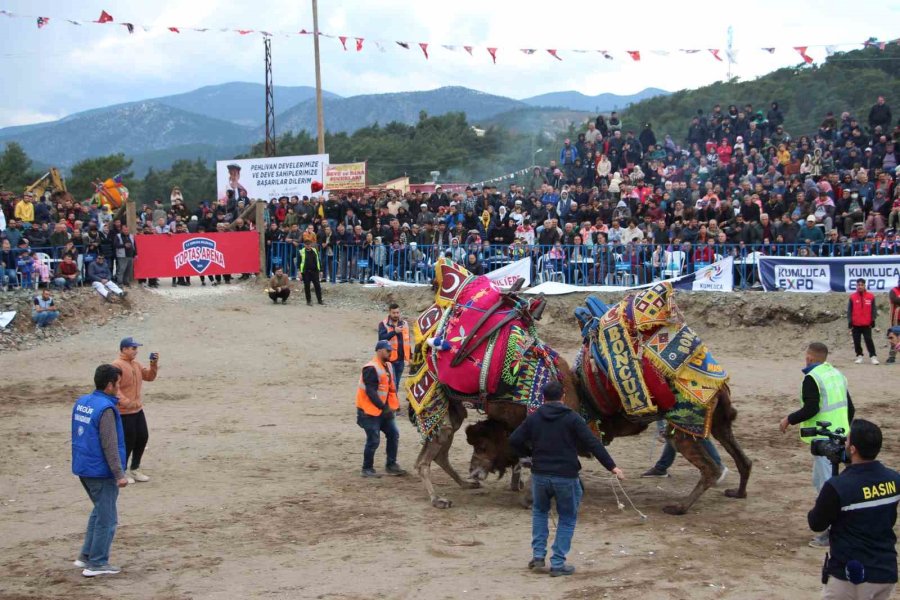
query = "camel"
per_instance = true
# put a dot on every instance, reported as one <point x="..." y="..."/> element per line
<point x="492" y="452"/>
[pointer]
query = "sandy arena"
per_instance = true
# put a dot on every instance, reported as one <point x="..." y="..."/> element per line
<point x="254" y="456"/>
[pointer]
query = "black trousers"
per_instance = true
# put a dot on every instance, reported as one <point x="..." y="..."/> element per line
<point x="136" y="436"/>
<point x="864" y="332"/>
<point x="282" y="294"/>
<point x="312" y="277"/>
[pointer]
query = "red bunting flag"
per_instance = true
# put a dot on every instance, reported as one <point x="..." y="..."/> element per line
<point x="553" y="54"/>
<point x="244" y="31"/>
<point x="634" y="54"/>
<point x="105" y="17"/>
<point x="359" y="43"/>
<point x="41" y="21"/>
<point x="468" y="49"/>
<point x="493" y="53"/>
<point x="802" y="50"/>
<point x="343" y="39"/>
<point x="174" y="30"/>
<point x="424" y="48"/>
<point x="882" y="46"/>
<point x="715" y="53"/>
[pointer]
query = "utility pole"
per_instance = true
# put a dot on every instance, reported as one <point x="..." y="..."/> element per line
<point x="730" y="52"/>
<point x="320" y="118"/>
<point x="270" y="100"/>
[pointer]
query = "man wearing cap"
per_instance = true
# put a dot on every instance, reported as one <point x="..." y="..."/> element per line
<point x="809" y="233"/>
<point x="376" y="405"/>
<point x="395" y="331"/>
<point x="131" y="404"/>
<point x="234" y="183"/>
<point x="894" y="297"/>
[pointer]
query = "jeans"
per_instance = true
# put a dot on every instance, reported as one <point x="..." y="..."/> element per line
<point x="568" y="492"/>
<point x="9" y="277"/>
<point x="821" y="472"/>
<point x="398" y="365"/>
<point x="44" y="318"/>
<point x="668" y="455"/>
<point x="373" y="426"/>
<point x="101" y="526"/>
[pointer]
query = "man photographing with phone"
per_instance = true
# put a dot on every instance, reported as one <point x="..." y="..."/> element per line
<point x="395" y="331"/>
<point x="859" y="507"/>
<point x="131" y="404"/>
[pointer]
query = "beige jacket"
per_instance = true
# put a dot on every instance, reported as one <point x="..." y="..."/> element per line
<point x="133" y="376"/>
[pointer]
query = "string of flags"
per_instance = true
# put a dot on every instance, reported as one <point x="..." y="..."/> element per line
<point x="634" y="55"/>
<point x="508" y="176"/>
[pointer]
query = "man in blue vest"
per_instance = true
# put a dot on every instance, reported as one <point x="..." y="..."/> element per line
<point x="860" y="508"/>
<point x="825" y="397"/>
<point x="98" y="453"/>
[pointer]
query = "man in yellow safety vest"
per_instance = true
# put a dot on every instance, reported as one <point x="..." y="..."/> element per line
<point x="825" y="397"/>
<point x="376" y="405"/>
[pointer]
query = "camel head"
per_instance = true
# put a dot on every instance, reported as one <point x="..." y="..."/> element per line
<point x="491" y="451"/>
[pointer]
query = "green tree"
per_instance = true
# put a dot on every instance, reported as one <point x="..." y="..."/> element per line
<point x="15" y="168"/>
<point x="196" y="180"/>
<point x="84" y="173"/>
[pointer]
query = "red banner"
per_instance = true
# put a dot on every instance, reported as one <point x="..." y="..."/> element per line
<point x="189" y="255"/>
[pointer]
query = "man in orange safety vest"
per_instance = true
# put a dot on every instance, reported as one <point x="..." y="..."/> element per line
<point x="376" y="406"/>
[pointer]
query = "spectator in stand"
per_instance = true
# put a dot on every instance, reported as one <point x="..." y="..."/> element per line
<point x="67" y="273"/>
<point x="24" y="212"/>
<point x="124" y="246"/>
<point x="880" y="115"/>
<point x="25" y="267"/>
<point x="9" y="264"/>
<point x="44" y="312"/>
<point x="100" y="277"/>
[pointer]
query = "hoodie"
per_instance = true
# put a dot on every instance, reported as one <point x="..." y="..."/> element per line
<point x="553" y="435"/>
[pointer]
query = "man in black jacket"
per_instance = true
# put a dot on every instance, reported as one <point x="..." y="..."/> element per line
<point x="553" y="435"/>
<point x="860" y="508"/>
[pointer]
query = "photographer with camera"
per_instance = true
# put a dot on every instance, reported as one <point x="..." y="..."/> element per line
<point x="860" y="508"/>
<point x="825" y="397"/>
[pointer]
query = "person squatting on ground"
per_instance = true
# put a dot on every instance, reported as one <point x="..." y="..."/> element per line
<point x="395" y="330"/>
<point x="667" y="458"/>
<point x="279" y="286"/>
<point x="376" y="407"/>
<point x="310" y="267"/>
<point x="44" y="311"/>
<point x="98" y="456"/>
<point x="824" y="396"/>
<point x="859" y="509"/>
<point x="552" y="436"/>
<point x="894" y="298"/>
<point x="131" y="404"/>
<point x="861" y="313"/>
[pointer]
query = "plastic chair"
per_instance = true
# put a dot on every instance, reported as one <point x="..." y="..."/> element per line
<point x="624" y="274"/>
<point x="674" y="264"/>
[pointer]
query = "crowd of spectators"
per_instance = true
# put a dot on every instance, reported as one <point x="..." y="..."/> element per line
<point x="620" y="200"/>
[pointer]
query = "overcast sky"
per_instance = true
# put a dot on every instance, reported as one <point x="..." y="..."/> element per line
<point x="50" y="73"/>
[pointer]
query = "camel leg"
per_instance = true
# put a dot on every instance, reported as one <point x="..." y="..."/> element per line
<point x="694" y="451"/>
<point x="515" y="478"/>
<point x="723" y="432"/>
<point x="443" y="460"/>
<point x="429" y="452"/>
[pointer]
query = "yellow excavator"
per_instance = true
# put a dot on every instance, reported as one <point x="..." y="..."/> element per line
<point x="51" y="180"/>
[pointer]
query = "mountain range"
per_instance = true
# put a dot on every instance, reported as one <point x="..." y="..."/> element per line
<point x="224" y="120"/>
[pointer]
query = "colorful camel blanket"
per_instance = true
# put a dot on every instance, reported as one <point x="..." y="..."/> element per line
<point x="506" y="360"/>
<point x="640" y="355"/>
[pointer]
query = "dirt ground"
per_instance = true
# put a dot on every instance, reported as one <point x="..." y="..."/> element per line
<point x="254" y="456"/>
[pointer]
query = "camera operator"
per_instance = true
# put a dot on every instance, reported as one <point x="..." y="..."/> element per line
<point x="860" y="508"/>
<point x="825" y="397"/>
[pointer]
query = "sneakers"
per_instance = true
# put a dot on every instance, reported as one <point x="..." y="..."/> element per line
<point x="563" y="570"/>
<point x="859" y="360"/>
<point x="129" y="479"/>
<point x="138" y="476"/>
<point x="891" y="360"/>
<point x="370" y="473"/>
<point x="537" y="563"/>
<point x="80" y="563"/>
<point x="101" y="570"/>
<point x="874" y="360"/>
<point x="722" y="475"/>
<point x="819" y="542"/>
<point x="395" y="470"/>
<point x="654" y="472"/>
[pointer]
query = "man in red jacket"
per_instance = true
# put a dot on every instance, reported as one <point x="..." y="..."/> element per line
<point x="861" y="315"/>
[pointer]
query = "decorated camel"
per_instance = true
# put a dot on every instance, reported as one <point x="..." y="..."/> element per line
<point x="639" y="363"/>
<point x="477" y="347"/>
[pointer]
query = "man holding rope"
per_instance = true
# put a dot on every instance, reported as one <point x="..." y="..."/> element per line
<point x="552" y="435"/>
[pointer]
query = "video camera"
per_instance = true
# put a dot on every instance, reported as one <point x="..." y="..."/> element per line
<point x="832" y="447"/>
